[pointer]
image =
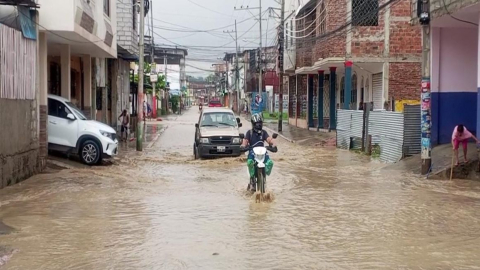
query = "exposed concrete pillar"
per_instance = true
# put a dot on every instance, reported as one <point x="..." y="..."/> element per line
<point x="93" y="66"/>
<point x="297" y="108"/>
<point x="65" y="69"/>
<point x="87" y="84"/>
<point x="43" y="68"/>
<point x="310" y="100"/>
<point x="333" y="92"/>
<point x="116" y="91"/>
<point x="105" y="92"/>
<point x="321" y="78"/>
<point x="348" y="85"/>
<point x="42" y="97"/>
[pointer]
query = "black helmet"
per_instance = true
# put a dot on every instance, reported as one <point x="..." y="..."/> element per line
<point x="257" y="122"/>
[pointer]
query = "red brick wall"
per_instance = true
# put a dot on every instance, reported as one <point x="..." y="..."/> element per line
<point x="369" y="40"/>
<point x="334" y="45"/>
<point x="304" y="45"/>
<point x="405" y="39"/>
<point x="404" y="81"/>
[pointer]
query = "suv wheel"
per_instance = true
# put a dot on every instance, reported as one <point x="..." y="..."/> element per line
<point x="90" y="152"/>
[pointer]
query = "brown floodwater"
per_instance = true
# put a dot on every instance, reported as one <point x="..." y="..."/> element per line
<point x="163" y="210"/>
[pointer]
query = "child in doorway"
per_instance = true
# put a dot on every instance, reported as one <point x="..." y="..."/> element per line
<point x="461" y="135"/>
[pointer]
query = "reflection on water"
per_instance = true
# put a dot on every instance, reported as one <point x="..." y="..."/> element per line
<point x="163" y="210"/>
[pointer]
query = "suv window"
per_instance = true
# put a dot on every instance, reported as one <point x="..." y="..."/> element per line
<point x="57" y="109"/>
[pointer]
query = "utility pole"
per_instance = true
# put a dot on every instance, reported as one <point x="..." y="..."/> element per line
<point x="260" y="87"/>
<point x="237" y="70"/>
<point x="281" y="47"/>
<point x="237" y="73"/>
<point x="423" y="12"/>
<point x="165" y="62"/>
<point x="153" y="66"/>
<point x="141" y="46"/>
<point x="260" y="79"/>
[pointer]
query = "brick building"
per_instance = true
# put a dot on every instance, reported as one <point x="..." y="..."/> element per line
<point x="361" y="51"/>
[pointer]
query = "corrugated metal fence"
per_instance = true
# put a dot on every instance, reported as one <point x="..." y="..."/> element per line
<point x="349" y="125"/>
<point x="18" y="57"/>
<point x="412" y="131"/>
<point x="386" y="129"/>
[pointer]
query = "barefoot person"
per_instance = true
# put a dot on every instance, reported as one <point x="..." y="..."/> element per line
<point x="461" y="135"/>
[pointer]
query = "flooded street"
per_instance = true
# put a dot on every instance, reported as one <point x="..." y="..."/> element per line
<point x="164" y="210"/>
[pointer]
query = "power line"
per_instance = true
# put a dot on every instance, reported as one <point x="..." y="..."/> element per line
<point x="214" y="11"/>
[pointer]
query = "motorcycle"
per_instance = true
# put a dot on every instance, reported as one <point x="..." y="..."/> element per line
<point x="260" y="152"/>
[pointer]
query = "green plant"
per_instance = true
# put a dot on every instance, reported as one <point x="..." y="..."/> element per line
<point x="174" y="100"/>
<point x="376" y="151"/>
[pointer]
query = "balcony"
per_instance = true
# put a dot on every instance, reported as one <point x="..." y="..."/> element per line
<point x="87" y="26"/>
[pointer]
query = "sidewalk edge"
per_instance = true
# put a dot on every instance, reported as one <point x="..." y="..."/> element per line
<point x="279" y="134"/>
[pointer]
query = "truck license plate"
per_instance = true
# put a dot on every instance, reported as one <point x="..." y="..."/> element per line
<point x="221" y="149"/>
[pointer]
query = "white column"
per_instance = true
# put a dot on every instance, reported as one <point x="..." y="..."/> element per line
<point x="65" y="70"/>
<point x="87" y="83"/>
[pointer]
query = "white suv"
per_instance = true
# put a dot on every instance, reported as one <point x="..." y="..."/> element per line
<point x="69" y="131"/>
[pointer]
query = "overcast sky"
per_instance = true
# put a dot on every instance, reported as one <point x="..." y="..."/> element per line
<point x="176" y="22"/>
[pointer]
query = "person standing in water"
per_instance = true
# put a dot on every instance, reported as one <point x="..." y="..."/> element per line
<point x="125" y="118"/>
<point x="461" y="135"/>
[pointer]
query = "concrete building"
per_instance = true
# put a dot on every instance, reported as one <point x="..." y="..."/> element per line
<point x="23" y="147"/>
<point x="128" y="52"/>
<point x="78" y="36"/>
<point x="360" y="51"/>
<point x="454" y="66"/>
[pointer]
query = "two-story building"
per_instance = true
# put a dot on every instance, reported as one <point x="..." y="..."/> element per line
<point x="455" y="65"/>
<point x="360" y="51"/>
<point x="76" y="39"/>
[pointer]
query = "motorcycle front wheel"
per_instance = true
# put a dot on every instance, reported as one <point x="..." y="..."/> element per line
<point x="261" y="180"/>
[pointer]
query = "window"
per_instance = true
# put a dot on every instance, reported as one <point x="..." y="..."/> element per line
<point x="57" y="109"/>
<point x="286" y="36"/>
<point x="342" y="91"/>
<point x="291" y="33"/>
<point x="218" y="119"/>
<point x="365" y="12"/>
<point x="77" y="111"/>
<point x="106" y="7"/>
<point x="134" y="15"/>
<point x="323" y="19"/>
<point x="354" y="94"/>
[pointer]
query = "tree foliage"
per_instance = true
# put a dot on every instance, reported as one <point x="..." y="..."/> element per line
<point x="159" y="85"/>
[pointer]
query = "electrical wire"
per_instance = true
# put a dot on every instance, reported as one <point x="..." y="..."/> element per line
<point x="211" y="10"/>
<point x="298" y="19"/>
<point x="455" y="18"/>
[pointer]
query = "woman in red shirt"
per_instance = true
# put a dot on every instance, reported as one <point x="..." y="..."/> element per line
<point x="461" y="135"/>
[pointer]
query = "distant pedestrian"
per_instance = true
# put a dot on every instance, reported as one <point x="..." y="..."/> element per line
<point x="461" y="135"/>
<point x="125" y="120"/>
<point x="149" y="111"/>
<point x="145" y="110"/>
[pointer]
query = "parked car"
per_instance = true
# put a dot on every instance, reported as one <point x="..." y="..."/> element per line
<point x="217" y="134"/>
<point x="215" y="103"/>
<point x="69" y="131"/>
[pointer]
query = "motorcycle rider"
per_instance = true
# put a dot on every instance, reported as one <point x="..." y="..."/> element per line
<point x="256" y="137"/>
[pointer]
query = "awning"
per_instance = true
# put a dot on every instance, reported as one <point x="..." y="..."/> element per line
<point x="369" y="64"/>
